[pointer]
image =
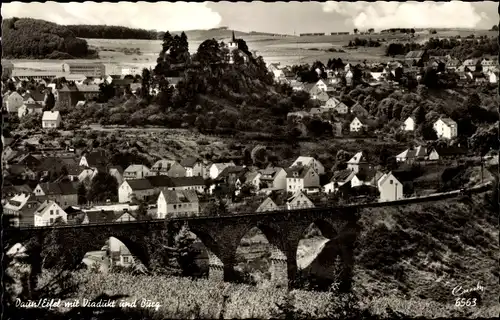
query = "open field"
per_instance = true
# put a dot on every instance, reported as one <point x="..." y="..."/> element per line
<point x="286" y="50"/>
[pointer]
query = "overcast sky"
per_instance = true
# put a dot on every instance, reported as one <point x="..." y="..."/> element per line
<point x="277" y="17"/>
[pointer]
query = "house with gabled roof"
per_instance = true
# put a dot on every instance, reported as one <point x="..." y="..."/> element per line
<point x="169" y="168"/>
<point x="358" y="162"/>
<point x="358" y="124"/>
<point x="274" y="202"/>
<point x="310" y="162"/>
<point x="314" y="91"/>
<point x="338" y="179"/>
<point x="13" y="101"/>
<point x="273" y="178"/>
<point x="48" y="213"/>
<point x="412" y="154"/>
<point x="417" y="57"/>
<point x="142" y="189"/>
<point x="51" y="119"/>
<point x="21" y="207"/>
<point x="358" y="110"/>
<point x="195" y="183"/>
<point x="215" y="169"/>
<point x="390" y="188"/>
<point x="193" y="166"/>
<point x="299" y="201"/>
<point x="136" y="171"/>
<point x="300" y="178"/>
<point x="368" y="177"/>
<point x="177" y="203"/>
<point x="408" y="124"/>
<point x="95" y="159"/>
<point x="447" y="153"/>
<point x="446" y="128"/>
<point x="322" y="97"/>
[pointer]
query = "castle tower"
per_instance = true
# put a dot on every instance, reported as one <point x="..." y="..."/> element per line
<point x="233" y="44"/>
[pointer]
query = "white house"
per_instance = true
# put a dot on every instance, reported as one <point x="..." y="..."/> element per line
<point x="331" y="103"/>
<point x="141" y="188"/>
<point x="179" y="202"/>
<point x="51" y="119"/>
<point x="299" y="201"/>
<point x="446" y="128"/>
<point x="310" y="162"/>
<point x="409" y="155"/>
<point x="13" y="102"/>
<point x="216" y="168"/>
<point x="492" y="77"/>
<point x="390" y="188"/>
<point x="273" y="202"/>
<point x="358" y="162"/>
<point x="356" y="125"/>
<point x="366" y="177"/>
<point x="273" y="178"/>
<point x="322" y="85"/>
<point x="409" y="124"/>
<point x="47" y="213"/>
<point x="300" y="178"/>
<point x="136" y="171"/>
<point x="338" y="180"/>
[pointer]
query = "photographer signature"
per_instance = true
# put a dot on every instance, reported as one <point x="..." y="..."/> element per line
<point x="460" y="291"/>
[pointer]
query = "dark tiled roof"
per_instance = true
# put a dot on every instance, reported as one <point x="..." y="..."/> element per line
<point x="189" y="162"/>
<point x="58" y="188"/>
<point x="297" y="172"/>
<point x="341" y="175"/>
<point x="118" y="168"/>
<point x="415" y="54"/>
<point x="96" y="158"/>
<point x="180" y="196"/>
<point x="451" y="151"/>
<point x="187" y="181"/>
<point x="101" y="216"/>
<point x="140" y="184"/>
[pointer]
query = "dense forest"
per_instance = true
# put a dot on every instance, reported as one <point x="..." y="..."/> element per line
<point x="39" y="39"/>
<point x="460" y="49"/>
<point x="111" y="32"/>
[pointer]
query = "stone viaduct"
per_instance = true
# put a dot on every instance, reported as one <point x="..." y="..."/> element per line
<point x="220" y="235"/>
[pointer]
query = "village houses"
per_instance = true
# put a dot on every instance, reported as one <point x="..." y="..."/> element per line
<point x="216" y="169"/>
<point x="311" y="162"/>
<point x="62" y="193"/>
<point x="445" y="128"/>
<point x="390" y="188"/>
<point x="136" y="171"/>
<point x="193" y="166"/>
<point x="177" y="203"/>
<point x="408" y="124"/>
<point x="301" y="178"/>
<point x="358" y="162"/>
<point x="358" y="125"/>
<point x="299" y="201"/>
<point x="48" y="213"/>
<point x="169" y="168"/>
<point x="51" y="119"/>
<point x="273" y="178"/>
<point x="339" y="179"/>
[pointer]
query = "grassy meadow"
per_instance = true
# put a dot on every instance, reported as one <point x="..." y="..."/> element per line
<point x="285" y="50"/>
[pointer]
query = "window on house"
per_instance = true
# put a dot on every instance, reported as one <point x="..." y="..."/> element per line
<point x="51" y="212"/>
<point x="51" y="220"/>
<point x="391" y="182"/>
<point x="125" y="259"/>
<point x="175" y="206"/>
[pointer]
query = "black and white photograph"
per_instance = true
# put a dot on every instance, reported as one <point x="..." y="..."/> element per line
<point x="250" y="160"/>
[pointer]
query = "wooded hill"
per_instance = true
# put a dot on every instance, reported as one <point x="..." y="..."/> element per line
<point x="39" y="39"/>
